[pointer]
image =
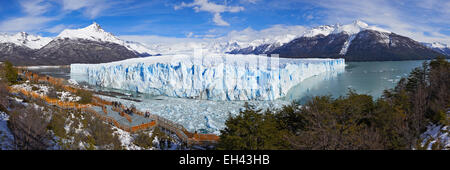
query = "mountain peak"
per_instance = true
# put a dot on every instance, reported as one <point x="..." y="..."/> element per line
<point x="353" y="28"/>
<point x="92" y="32"/>
<point x="94" y="26"/>
<point x="356" y="27"/>
<point x="360" y="23"/>
<point x="22" y="34"/>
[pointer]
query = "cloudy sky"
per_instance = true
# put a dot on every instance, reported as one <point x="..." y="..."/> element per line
<point x="423" y="20"/>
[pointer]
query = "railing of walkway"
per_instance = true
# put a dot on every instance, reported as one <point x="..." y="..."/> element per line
<point x="173" y="127"/>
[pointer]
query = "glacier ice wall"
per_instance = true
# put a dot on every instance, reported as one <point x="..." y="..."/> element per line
<point x="211" y="76"/>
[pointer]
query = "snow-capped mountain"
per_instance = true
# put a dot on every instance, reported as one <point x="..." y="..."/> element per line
<point x="355" y="42"/>
<point x="325" y="30"/>
<point x="86" y="45"/>
<point x="439" y="47"/>
<point x="249" y="41"/>
<point x="354" y="28"/>
<point x="25" y="39"/>
<point x="94" y="32"/>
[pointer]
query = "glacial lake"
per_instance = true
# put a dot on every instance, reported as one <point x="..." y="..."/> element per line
<point x="206" y="116"/>
<point x="364" y="77"/>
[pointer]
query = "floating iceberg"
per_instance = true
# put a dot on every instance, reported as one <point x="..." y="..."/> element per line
<point x="212" y="76"/>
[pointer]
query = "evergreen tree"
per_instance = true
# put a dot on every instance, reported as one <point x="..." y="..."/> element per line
<point x="10" y="72"/>
<point x="252" y="130"/>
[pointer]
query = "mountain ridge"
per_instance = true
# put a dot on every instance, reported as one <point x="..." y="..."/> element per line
<point x="355" y="42"/>
<point x="93" y="32"/>
<point x="326" y="41"/>
<point x="439" y="47"/>
<point x="85" y="45"/>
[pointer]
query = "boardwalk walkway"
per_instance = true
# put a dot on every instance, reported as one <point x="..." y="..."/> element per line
<point x="106" y="111"/>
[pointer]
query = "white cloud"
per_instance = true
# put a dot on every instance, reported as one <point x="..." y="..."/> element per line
<point x="33" y="20"/>
<point x="72" y="5"/>
<point x="90" y="8"/>
<point x="36" y="16"/>
<point x="57" y="28"/>
<point x="213" y="8"/>
<point x="395" y="16"/>
<point x="250" y="1"/>
<point x="27" y="23"/>
<point x="219" y="21"/>
<point x="34" y="7"/>
<point x="155" y="39"/>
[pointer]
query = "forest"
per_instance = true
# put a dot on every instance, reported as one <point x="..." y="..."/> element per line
<point x="395" y="121"/>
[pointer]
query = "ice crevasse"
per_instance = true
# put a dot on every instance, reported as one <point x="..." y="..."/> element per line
<point x="209" y="76"/>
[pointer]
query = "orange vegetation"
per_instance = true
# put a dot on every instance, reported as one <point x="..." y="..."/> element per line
<point x="180" y="131"/>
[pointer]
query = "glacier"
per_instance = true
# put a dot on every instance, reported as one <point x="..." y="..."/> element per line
<point x="223" y="77"/>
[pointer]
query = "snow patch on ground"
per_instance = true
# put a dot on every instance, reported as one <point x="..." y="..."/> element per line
<point x="437" y="132"/>
<point x="42" y="89"/>
<point x="67" y="96"/>
<point x="126" y="139"/>
<point x="73" y="82"/>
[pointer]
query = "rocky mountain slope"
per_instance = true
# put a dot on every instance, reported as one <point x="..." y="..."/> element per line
<point x="87" y="45"/>
<point x="67" y="51"/>
<point x="354" y="42"/>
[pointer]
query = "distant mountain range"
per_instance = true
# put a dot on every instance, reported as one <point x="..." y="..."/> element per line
<point x="439" y="47"/>
<point x="355" y="42"/>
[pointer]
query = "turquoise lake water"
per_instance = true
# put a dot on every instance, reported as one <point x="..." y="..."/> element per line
<point x="364" y="77"/>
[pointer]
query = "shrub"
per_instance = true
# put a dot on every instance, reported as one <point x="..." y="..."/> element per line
<point x="3" y="96"/>
<point x="57" y="124"/>
<point x="34" y="88"/>
<point x="10" y="73"/>
<point x="52" y="93"/>
<point x="86" y="96"/>
<point x="143" y="140"/>
<point x="161" y="136"/>
<point x="102" y="134"/>
<point x="29" y="128"/>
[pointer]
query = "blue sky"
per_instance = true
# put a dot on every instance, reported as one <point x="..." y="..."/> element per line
<point x="423" y="20"/>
